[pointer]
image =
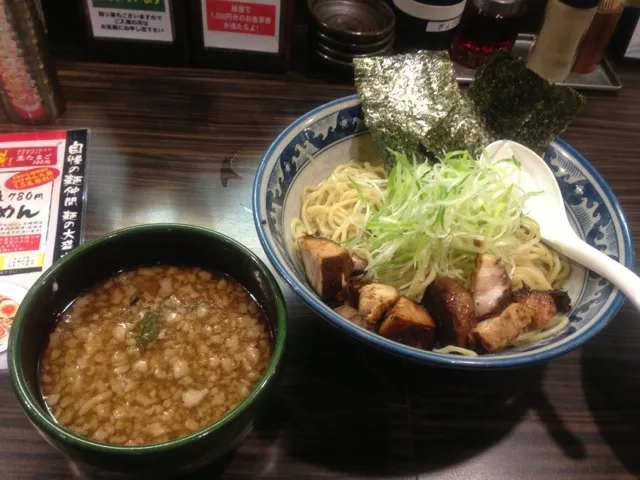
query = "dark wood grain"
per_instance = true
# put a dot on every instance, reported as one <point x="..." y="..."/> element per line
<point x="161" y="145"/>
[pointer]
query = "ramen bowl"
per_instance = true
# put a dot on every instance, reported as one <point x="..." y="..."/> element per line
<point x="100" y="259"/>
<point x="309" y="149"/>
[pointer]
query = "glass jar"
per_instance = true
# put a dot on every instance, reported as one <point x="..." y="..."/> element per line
<point x="487" y="26"/>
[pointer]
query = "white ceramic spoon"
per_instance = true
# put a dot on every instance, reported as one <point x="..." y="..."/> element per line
<point x="547" y="209"/>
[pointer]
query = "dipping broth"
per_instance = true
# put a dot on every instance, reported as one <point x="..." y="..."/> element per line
<point x="154" y="354"/>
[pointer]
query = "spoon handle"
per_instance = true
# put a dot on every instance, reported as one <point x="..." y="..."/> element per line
<point x="583" y="253"/>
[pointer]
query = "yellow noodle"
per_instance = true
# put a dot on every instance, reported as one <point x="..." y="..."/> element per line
<point x="334" y="209"/>
<point x="556" y="325"/>
<point x="337" y="210"/>
<point x="459" y="350"/>
<point x="535" y="264"/>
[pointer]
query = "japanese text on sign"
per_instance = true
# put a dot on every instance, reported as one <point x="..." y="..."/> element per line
<point x="251" y="18"/>
<point x="242" y="25"/>
<point x="153" y="5"/>
<point x="27" y="157"/>
<point x="41" y="200"/>
<point x="73" y="177"/>
<point x="132" y="20"/>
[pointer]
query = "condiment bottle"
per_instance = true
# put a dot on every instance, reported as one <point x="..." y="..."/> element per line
<point x="28" y="80"/>
<point x="426" y="24"/>
<point x="597" y="38"/>
<point x="486" y="27"/>
<point x="565" y="24"/>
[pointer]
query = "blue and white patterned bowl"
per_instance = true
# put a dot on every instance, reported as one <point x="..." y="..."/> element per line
<point x="309" y="149"/>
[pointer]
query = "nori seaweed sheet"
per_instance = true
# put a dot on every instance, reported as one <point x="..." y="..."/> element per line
<point x="412" y="104"/>
<point x="460" y="129"/>
<point x="517" y="104"/>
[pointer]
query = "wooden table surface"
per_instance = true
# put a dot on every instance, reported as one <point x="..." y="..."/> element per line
<point x="159" y="145"/>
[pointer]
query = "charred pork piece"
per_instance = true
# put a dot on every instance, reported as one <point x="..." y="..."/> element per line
<point x="359" y="264"/>
<point x="498" y="332"/>
<point x="375" y="300"/>
<point x="350" y="293"/>
<point x="490" y="286"/>
<point x="409" y="323"/>
<point x="452" y="307"/>
<point x="542" y="302"/>
<point x="562" y="300"/>
<point x="326" y="264"/>
<point x="350" y="313"/>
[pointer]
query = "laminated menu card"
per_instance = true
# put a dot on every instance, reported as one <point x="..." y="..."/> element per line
<point x="42" y="198"/>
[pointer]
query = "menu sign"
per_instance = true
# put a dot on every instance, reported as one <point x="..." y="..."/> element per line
<point x="42" y="186"/>
<point x="41" y="200"/>
<point x="242" y="25"/>
<point x="131" y="19"/>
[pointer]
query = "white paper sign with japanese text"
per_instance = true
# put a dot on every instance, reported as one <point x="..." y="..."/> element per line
<point x="131" y="19"/>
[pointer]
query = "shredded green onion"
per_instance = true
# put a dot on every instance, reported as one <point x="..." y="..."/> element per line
<point x="436" y="217"/>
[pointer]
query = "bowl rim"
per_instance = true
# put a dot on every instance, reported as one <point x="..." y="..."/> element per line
<point x="397" y="349"/>
<point x="378" y="34"/>
<point x="45" y="422"/>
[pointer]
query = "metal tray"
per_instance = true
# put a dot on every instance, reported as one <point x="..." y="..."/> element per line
<point x="603" y="78"/>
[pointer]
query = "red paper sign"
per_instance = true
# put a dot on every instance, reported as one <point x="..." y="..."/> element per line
<point x="32" y="178"/>
<point x="28" y="157"/>
<point x="241" y="17"/>
<point x="19" y="243"/>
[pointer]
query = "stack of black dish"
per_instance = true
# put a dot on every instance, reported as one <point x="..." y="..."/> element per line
<point x="352" y="28"/>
